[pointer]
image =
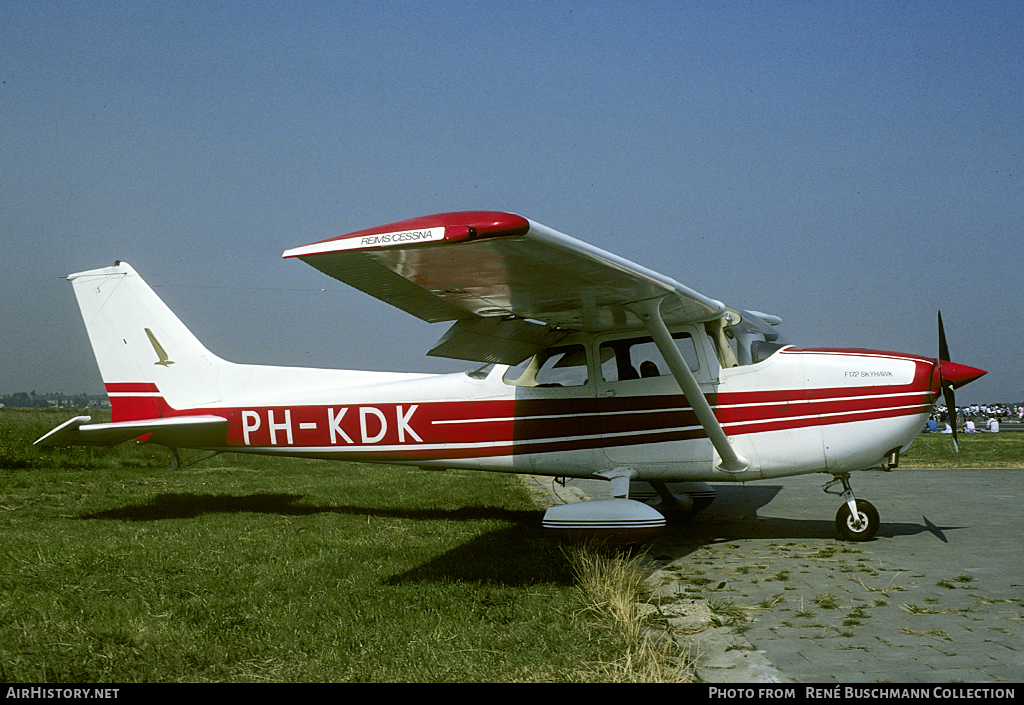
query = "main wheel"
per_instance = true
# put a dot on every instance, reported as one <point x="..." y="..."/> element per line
<point x="868" y="519"/>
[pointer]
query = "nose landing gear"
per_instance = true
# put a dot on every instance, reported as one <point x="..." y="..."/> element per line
<point x="857" y="519"/>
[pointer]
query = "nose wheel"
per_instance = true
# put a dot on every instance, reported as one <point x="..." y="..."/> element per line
<point x="857" y="519"/>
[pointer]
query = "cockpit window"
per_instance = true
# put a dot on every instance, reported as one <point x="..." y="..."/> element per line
<point x="563" y="366"/>
<point x="636" y="358"/>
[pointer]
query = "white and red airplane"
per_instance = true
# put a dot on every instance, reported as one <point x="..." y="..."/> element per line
<point x="592" y="367"/>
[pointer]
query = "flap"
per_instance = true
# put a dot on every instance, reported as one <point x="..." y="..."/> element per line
<point x="497" y="340"/>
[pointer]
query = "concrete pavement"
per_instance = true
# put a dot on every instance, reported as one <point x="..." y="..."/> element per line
<point x="936" y="597"/>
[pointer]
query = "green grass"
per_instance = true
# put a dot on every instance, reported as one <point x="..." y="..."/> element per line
<point x="827" y="601"/>
<point x="977" y="450"/>
<point x="242" y="568"/>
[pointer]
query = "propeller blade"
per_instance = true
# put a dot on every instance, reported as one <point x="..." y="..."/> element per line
<point x="947" y="387"/>
<point x="947" y="394"/>
<point x="943" y="348"/>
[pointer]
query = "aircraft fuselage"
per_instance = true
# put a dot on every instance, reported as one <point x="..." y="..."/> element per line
<point x="798" y="411"/>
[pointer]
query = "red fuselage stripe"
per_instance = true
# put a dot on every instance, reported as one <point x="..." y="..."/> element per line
<point x="468" y="429"/>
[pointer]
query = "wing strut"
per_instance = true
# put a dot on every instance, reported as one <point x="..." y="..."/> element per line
<point x="650" y="312"/>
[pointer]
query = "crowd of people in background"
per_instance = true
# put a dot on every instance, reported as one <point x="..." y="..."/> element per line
<point x="973" y="418"/>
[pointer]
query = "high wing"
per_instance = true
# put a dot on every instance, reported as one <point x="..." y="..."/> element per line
<point x="513" y="286"/>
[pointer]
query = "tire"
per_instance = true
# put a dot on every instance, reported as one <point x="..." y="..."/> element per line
<point x="868" y="517"/>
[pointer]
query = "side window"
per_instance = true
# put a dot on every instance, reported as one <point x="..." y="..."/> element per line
<point x="636" y="358"/>
<point x="564" y="366"/>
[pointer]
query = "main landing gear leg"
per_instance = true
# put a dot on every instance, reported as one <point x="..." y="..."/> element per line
<point x="857" y="519"/>
<point x="679" y="509"/>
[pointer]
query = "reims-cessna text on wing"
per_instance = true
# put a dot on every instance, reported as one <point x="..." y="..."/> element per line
<point x="591" y="366"/>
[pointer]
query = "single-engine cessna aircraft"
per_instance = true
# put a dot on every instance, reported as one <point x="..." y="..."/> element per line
<point x="592" y="366"/>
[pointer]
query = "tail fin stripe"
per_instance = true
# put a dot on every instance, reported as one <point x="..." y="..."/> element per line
<point x="125" y="388"/>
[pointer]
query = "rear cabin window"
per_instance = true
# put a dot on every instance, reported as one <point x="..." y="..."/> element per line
<point x="563" y="366"/>
<point x="636" y="358"/>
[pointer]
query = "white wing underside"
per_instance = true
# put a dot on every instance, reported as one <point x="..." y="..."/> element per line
<point x="510" y="293"/>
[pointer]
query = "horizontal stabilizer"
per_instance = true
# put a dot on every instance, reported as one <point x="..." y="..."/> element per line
<point x="177" y="432"/>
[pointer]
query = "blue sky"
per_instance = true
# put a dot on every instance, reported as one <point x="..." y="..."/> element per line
<point x="850" y="167"/>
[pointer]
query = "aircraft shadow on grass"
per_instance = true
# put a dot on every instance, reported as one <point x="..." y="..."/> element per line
<point x="189" y="506"/>
<point x="516" y="554"/>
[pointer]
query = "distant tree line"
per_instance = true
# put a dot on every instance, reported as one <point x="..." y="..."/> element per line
<point x="53" y="400"/>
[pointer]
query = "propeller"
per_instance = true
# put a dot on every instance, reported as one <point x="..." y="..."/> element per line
<point x="952" y="376"/>
<point x="947" y="386"/>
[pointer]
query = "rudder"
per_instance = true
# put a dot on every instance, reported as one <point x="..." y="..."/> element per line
<point x="149" y="361"/>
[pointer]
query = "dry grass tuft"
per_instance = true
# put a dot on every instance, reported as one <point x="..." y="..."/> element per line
<point x="612" y="589"/>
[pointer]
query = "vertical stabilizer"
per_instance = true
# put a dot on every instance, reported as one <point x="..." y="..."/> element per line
<point x="150" y="362"/>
